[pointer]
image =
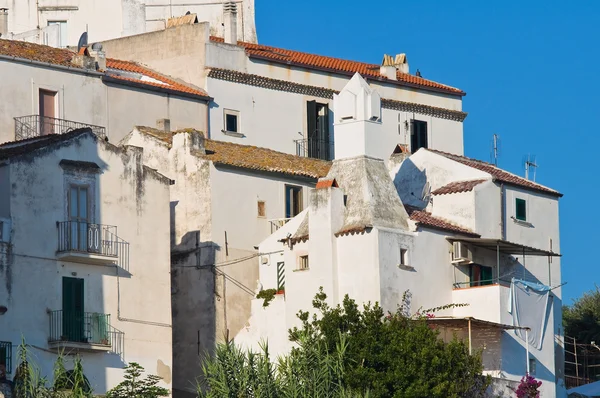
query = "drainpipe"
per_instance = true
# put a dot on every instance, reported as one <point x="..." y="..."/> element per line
<point x="470" y="348"/>
<point x="527" y="349"/>
<point x="502" y="212"/>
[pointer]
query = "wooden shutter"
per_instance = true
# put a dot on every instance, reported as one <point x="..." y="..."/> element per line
<point x="47" y="111"/>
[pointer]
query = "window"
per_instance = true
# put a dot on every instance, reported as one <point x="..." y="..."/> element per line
<point x="62" y="32"/>
<point x="520" y="209"/>
<point x="78" y="208"/>
<point x="418" y="135"/>
<point x="293" y="201"/>
<point x="532" y="366"/>
<point x="317" y="136"/>
<point x="47" y="110"/>
<point x="303" y="262"/>
<point x="232" y="122"/>
<point x="403" y="256"/>
<point x="480" y="275"/>
<point x="5" y="357"/>
<point x="262" y="212"/>
<point x="72" y="310"/>
<point x="280" y="276"/>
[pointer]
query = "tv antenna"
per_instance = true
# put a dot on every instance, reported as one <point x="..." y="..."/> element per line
<point x="530" y="167"/>
<point x="495" y="149"/>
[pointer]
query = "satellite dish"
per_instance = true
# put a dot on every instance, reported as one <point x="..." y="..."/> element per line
<point x="426" y="193"/>
<point x="83" y="41"/>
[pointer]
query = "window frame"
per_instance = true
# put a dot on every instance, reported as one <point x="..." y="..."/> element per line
<point x="299" y="190"/>
<point x="303" y="263"/>
<point x="518" y="216"/>
<point x="238" y="125"/>
<point x="61" y="23"/>
<point x="414" y="139"/>
<point x="6" y="346"/>
<point x="264" y="208"/>
<point x="404" y="260"/>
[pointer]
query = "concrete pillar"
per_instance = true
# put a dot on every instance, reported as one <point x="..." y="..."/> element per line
<point x="4" y="23"/>
<point x="230" y="21"/>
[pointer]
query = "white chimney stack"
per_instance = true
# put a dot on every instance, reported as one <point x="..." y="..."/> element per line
<point x="230" y="22"/>
<point x="4" y="23"/>
<point x="390" y="65"/>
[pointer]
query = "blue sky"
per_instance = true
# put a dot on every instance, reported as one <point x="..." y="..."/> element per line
<point x="530" y="70"/>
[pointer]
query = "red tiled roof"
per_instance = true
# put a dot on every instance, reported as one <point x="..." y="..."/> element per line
<point x="359" y="229"/>
<point x="497" y="173"/>
<point x="169" y="83"/>
<point x="326" y="184"/>
<point x="37" y="52"/>
<point x="457" y="187"/>
<point x="427" y="219"/>
<point x="281" y="55"/>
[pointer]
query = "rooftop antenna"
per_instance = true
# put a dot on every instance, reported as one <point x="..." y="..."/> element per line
<point x="530" y="167"/>
<point x="495" y="149"/>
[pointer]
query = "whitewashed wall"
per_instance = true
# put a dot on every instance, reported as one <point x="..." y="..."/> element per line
<point x="128" y="196"/>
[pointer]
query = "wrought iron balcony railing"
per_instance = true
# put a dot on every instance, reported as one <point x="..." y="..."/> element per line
<point x="311" y="148"/>
<point x="36" y="125"/>
<point x="91" y="238"/>
<point x="90" y="328"/>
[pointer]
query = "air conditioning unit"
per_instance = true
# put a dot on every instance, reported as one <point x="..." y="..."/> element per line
<point x="461" y="253"/>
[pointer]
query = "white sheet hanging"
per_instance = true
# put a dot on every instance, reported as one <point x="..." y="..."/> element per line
<point x="528" y="304"/>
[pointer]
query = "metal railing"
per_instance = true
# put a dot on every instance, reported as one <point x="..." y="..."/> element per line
<point x="36" y="125"/>
<point x="80" y="327"/>
<point x="6" y="355"/>
<point x="313" y="148"/>
<point x="277" y="223"/>
<point x="84" y="237"/>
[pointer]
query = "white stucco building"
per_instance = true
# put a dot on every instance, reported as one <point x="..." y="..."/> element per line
<point x="79" y="272"/>
<point x="226" y="199"/>
<point x="55" y="90"/>
<point x="282" y="99"/>
<point x="445" y="227"/>
<point x="61" y="23"/>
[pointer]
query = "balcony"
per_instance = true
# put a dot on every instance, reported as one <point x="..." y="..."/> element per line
<point x="83" y="331"/>
<point x="36" y="125"/>
<point x="89" y="243"/>
<point x="313" y="148"/>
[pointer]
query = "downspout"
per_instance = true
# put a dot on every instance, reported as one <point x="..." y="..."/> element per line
<point x="527" y="349"/>
<point x="470" y="347"/>
<point x="502" y="212"/>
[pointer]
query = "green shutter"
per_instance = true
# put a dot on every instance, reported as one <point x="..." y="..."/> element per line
<point x="72" y="311"/>
<point x="521" y="209"/>
<point x="486" y="275"/>
<point x="311" y="120"/>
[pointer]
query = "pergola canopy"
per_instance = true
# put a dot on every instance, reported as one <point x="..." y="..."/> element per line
<point x="504" y="246"/>
<point x="463" y="322"/>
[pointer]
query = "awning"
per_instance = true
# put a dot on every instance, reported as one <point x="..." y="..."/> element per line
<point x="504" y="246"/>
<point x="463" y="322"/>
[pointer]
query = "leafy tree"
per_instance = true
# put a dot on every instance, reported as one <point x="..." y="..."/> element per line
<point x="345" y="352"/>
<point x="135" y="387"/>
<point x="582" y="319"/>
<point x="394" y="354"/>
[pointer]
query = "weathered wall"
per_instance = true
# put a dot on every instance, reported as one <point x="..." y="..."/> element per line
<point x="125" y="195"/>
<point x="108" y="19"/>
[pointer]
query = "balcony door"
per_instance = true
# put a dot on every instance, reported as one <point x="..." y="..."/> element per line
<point x="79" y="222"/>
<point x="72" y="310"/>
<point x="47" y="112"/>
<point x="318" y="140"/>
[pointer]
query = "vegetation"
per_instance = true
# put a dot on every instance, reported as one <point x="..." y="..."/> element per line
<point x="135" y="387"/>
<point x="582" y="319"/>
<point x="528" y="388"/>
<point x="267" y="295"/>
<point x="346" y="352"/>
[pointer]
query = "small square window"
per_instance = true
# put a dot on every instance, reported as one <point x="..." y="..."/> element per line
<point x="521" y="209"/>
<point x="303" y="262"/>
<point x="532" y="366"/>
<point x="262" y="211"/>
<point x="232" y="124"/>
<point x="5" y="357"/>
<point x="403" y="256"/>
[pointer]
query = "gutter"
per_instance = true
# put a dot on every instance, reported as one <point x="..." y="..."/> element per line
<point x="141" y="85"/>
<point x="52" y="66"/>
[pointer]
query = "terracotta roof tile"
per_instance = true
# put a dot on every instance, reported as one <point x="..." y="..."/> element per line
<point x="37" y="52"/>
<point x="251" y="157"/>
<point x="263" y="159"/>
<point x="497" y="173"/>
<point x="327" y="184"/>
<point x="457" y="187"/>
<point x="166" y="82"/>
<point x="281" y="55"/>
<point x="427" y="219"/>
<point x="352" y="230"/>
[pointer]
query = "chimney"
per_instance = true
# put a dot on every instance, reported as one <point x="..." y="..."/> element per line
<point x="357" y="125"/>
<point x="99" y="56"/>
<point x="230" y="22"/>
<point x="4" y="23"/>
<point x="164" y="125"/>
<point x="389" y="66"/>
